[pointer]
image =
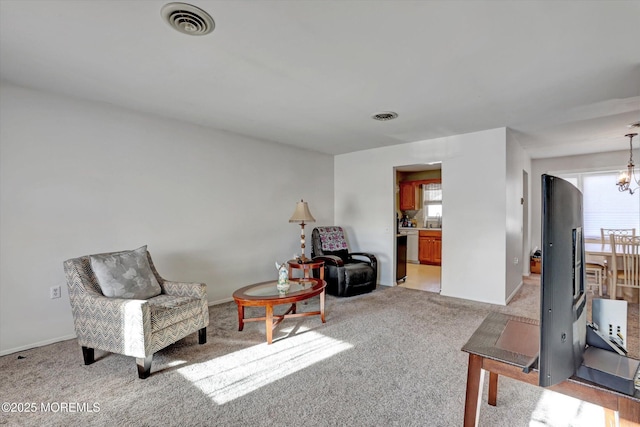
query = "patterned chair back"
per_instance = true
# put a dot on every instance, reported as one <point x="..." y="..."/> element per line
<point x="606" y="232"/>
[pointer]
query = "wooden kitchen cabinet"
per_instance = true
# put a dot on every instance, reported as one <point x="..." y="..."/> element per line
<point x="430" y="247"/>
<point x="409" y="196"/>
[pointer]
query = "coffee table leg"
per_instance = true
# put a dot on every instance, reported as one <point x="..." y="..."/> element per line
<point x="240" y="317"/>
<point x="475" y="376"/>
<point x="269" y="323"/>
<point x="322" y="307"/>
<point x="493" y="389"/>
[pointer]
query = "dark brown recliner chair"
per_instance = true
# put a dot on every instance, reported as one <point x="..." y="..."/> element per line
<point x="345" y="275"/>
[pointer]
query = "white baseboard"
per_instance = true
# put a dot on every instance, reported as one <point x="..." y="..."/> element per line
<point x="515" y="291"/>
<point x="37" y="344"/>
<point x="220" y="301"/>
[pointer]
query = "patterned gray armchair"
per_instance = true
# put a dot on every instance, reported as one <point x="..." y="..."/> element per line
<point x="346" y="273"/>
<point x="133" y="327"/>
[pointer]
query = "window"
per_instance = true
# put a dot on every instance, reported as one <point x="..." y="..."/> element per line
<point x="432" y="199"/>
<point x="605" y="206"/>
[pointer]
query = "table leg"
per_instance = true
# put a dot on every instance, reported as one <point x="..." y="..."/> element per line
<point x="269" y="323"/>
<point x="493" y="388"/>
<point x="240" y="317"/>
<point x="322" y="306"/>
<point x="475" y="376"/>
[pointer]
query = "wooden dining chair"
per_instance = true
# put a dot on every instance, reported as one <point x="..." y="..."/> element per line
<point x="599" y="268"/>
<point x="598" y="271"/>
<point x="625" y="262"/>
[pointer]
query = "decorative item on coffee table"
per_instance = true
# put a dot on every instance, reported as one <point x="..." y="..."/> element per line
<point x="283" y="278"/>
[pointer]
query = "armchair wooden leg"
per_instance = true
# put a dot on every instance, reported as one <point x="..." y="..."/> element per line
<point x="144" y="366"/>
<point x="88" y="355"/>
<point x="202" y="336"/>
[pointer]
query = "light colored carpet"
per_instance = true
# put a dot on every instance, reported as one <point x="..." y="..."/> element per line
<point x="388" y="358"/>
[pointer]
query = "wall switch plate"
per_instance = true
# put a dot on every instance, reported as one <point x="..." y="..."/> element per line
<point x="55" y="292"/>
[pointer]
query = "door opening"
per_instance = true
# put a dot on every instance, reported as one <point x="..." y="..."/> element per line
<point x="418" y="211"/>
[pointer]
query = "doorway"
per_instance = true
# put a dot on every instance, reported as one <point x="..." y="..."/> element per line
<point x="418" y="211"/>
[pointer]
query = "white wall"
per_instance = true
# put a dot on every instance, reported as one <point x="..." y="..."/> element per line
<point x="474" y="205"/>
<point x="517" y="162"/>
<point x="612" y="160"/>
<point x="79" y="177"/>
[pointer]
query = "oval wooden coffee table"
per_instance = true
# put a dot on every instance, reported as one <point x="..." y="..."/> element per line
<point x="266" y="295"/>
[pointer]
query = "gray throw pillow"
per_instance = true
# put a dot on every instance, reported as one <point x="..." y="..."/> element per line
<point x="125" y="274"/>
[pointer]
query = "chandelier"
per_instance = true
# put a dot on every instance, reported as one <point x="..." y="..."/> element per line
<point x="627" y="178"/>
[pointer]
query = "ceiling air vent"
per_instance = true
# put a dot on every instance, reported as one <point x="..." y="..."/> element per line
<point x="188" y="19"/>
<point x="384" y="116"/>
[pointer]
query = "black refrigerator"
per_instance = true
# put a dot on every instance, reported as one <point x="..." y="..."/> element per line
<point x="401" y="257"/>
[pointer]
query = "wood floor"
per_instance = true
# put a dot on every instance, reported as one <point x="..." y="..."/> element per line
<point x="422" y="277"/>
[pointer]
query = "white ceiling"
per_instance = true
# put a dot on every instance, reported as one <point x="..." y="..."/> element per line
<point x="564" y="76"/>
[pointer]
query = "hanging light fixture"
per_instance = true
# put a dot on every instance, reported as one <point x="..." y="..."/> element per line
<point x="627" y="178"/>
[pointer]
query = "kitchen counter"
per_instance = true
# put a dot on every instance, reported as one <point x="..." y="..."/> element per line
<point x="424" y="245"/>
<point x="401" y="229"/>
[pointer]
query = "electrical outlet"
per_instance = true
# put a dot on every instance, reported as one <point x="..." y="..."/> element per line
<point x="516" y="260"/>
<point x="54" y="292"/>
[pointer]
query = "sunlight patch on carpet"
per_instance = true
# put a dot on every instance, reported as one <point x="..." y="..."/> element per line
<point x="228" y="377"/>
<point x="555" y="409"/>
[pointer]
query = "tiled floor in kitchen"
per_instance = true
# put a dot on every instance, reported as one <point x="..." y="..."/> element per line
<point x="422" y="277"/>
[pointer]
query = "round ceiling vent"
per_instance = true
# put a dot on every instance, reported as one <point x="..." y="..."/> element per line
<point x="384" y="116"/>
<point x="188" y="19"/>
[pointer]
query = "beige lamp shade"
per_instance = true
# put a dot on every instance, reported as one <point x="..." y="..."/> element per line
<point x="302" y="214"/>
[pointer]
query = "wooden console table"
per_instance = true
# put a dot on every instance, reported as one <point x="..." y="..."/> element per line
<point x="508" y="354"/>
